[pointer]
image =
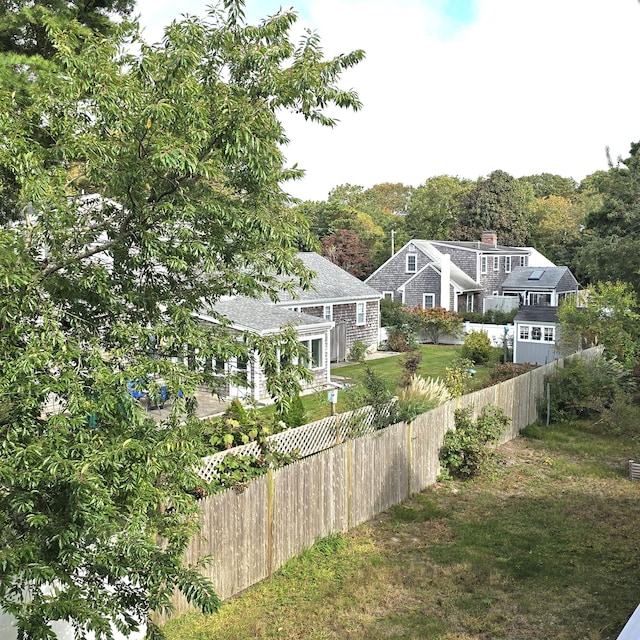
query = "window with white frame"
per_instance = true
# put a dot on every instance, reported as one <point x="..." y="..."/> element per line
<point x="483" y="264"/>
<point x="536" y="333"/>
<point x="361" y="313"/>
<point x="412" y="262"/>
<point x="469" y="302"/>
<point x="387" y="295"/>
<point x="507" y="264"/>
<point x="428" y="301"/>
<point x="539" y="299"/>
<point x="315" y="352"/>
<point x="327" y="312"/>
<point x="496" y="263"/>
<point x="522" y="261"/>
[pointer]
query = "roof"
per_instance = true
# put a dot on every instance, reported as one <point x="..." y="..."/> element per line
<point x="459" y="278"/>
<point x="536" y="259"/>
<point x="331" y="284"/>
<point x="537" y="314"/>
<point x="483" y="247"/>
<point x="535" y="278"/>
<point x="260" y="316"/>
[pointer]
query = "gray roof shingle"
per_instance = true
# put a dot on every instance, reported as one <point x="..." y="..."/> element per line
<point x="330" y="284"/>
<point x="519" y="278"/>
<point x="537" y="314"/>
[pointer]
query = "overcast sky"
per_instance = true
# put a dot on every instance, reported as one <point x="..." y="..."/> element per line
<point x="461" y="87"/>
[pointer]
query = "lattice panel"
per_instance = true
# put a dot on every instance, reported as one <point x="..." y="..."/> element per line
<point x="302" y="441"/>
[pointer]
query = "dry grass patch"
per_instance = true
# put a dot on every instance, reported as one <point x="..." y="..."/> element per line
<point x="543" y="546"/>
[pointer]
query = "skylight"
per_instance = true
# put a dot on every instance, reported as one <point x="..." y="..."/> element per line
<point x="536" y="274"/>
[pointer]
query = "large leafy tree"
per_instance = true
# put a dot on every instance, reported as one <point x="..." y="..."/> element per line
<point x="501" y="203"/>
<point x="183" y="145"/>
<point x="435" y="207"/>
<point x="24" y="30"/>
<point x="611" y="243"/>
<point x="607" y="315"/>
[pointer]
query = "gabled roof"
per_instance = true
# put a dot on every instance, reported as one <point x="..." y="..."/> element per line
<point x="331" y="284"/>
<point x="260" y="316"/>
<point x="483" y="247"/>
<point x="459" y="278"/>
<point x="537" y="314"/>
<point x="532" y="278"/>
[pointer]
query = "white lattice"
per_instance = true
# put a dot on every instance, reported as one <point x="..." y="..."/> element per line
<point x="305" y="440"/>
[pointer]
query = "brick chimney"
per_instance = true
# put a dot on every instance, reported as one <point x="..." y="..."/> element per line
<point x="489" y="237"/>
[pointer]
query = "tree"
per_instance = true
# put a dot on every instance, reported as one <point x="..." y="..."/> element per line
<point x="435" y="321"/>
<point x="182" y="143"/>
<point x="499" y="203"/>
<point x="435" y="207"/>
<point x="23" y="25"/>
<point x="549" y="184"/>
<point x="611" y="245"/>
<point x="345" y="249"/>
<point x="610" y="318"/>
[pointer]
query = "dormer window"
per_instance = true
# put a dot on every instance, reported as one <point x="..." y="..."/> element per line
<point x="412" y="263"/>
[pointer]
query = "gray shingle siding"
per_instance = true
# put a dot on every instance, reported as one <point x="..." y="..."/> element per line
<point x="394" y="272"/>
<point x="428" y="281"/>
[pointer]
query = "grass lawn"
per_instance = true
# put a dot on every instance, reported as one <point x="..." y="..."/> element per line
<point x="544" y="546"/>
<point x="435" y="359"/>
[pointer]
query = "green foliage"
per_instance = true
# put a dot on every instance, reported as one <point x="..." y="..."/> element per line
<point x="358" y="351"/>
<point x="294" y="415"/>
<point x="610" y="318"/>
<point x="477" y="347"/>
<point x="434" y="321"/>
<point x="421" y="395"/>
<point x="507" y="370"/>
<point x="374" y="392"/>
<point x="401" y="338"/>
<point x="501" y="203"/>
<point x="458" y="377"/>
<point x="392" y="313"/>
<point x="466" y="450"/>
<point x="492" y="316"/>
<point x="584" y="389"/>
<point x="182" y="142"/>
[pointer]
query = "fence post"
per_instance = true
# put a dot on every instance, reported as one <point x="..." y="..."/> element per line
<point x="270" y="495"/>
<point x="409" y="455"/>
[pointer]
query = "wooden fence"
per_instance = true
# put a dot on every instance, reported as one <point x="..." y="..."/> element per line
<point x="251" y="534"/>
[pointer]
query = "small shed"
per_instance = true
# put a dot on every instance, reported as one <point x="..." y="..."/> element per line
<point x="536" y="335"/>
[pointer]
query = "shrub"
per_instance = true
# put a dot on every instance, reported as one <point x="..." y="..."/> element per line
<point x="458" y="377"/>
<point x="583" y="389"/>
<point x="358" y="351"/>
<point x="477" y="347"/>
<point x="421" y="395"/>
<point x="401" y="339"/>
<point x="410" y="363"/>
<point x="508" y="370"/>
<point x="374" y="393"/>
<point x="294" y="415"/>
<point x="467" y="449"/>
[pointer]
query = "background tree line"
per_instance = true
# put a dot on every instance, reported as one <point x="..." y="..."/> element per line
<point x="591" y="227"/>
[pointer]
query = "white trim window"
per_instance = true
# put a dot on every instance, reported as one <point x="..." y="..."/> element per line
<point x="327" y="312"/>
<point x="469" y="302"/>
<point x="387" y="295"/>
<point x="507" y="264"/>
<point x="537" y="333"/>
<point x="523" y="260"/>
<point x="315" y="353"/>
<point x="412" y="263"/>
<point x="428" y="300"/>
<point x="483" y="264"/>
<point x="496" y="263"/>
<point x="361" y="313"/>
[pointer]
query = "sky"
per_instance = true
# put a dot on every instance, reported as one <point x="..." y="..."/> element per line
<point x="460" y="87"/>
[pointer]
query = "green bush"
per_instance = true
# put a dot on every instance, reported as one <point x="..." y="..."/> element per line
<point x="401" y="339"/>
<point x="458" y="377"/>
<point x="467" y="449"/>
<point x="358" y="351"/>
<point x="583" y="389"/>
<point x="477" y="347"/>
<point x="508" y="370"/>
<point x="294" y="415"/>
<point x="490" y="317"/>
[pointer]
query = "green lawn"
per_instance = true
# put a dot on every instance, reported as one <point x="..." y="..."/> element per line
<point x="435" y="359"/>
<point x="543" y="546"/>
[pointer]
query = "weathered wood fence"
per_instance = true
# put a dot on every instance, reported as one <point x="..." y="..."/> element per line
<point x="251" y="534"/>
